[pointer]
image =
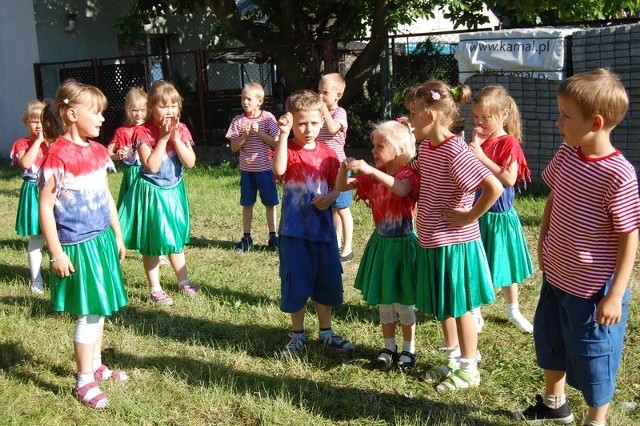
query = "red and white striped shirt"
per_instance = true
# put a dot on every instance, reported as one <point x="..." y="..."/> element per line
<point x="255" y="155"/>
<point x="450" y="173"/>
<point x="337" y="140"/>
<point x="594" y="201"/>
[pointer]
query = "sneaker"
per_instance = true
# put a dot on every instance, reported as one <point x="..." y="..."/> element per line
<point x="296" y="345"/>
<point x="338" y="342"/>
<point x="517" y="319"/>
<point x="273" y="242"/>
<point x="188" y="289"/>
<point x="161" y="298"/>
<point x="347" y="258"/>
<point x="245" y="244"/>
<point x="37" y="288"/>
<point x="540" y="414"/>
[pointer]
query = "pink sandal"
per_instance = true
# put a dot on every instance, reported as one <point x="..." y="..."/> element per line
<point x="117" y="375"/>
<point x="98" y="402"/>
<point x="189" y="289"/>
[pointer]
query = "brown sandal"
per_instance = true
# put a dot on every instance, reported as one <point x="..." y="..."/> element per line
<point x="117" y="375"/>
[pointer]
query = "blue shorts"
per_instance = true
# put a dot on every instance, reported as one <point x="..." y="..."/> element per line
<point x="343" y="201"/>
<point x="567" y="338"/>
<point x="253" y="182"/>
<point x="309" y="269"/>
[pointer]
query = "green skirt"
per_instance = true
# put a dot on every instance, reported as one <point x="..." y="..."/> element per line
<point x="155" y="219"/>
<point x="96" y="287"/>
<point x="452" y="280"/>
<point x="387" y="270"/>
<point x="131" y="173"/>
<point x="27" y="222"/>
<point x="506" y="248"/>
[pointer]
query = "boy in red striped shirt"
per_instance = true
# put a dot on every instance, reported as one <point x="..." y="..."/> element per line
<point x="587" y="247"/>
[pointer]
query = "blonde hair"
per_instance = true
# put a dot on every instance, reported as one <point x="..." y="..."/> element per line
<point x="438" y="96"/>
<point x="33" y="110"/>
<point x="135" y="96"/>
<point x="399" y="136"/>
<point x="334" y="80"/>
<point x="494" y="100"/>
<point x="598" y="92"/>
<point x="254" y="86"/>
<point x="162" y="91"/>
<point x="304" y="100"/>
<point x="69" y="94"/>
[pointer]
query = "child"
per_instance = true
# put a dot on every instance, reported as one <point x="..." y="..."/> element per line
<point x="496" y="143"/>
<point x="80" y="225"/>
<point x="155" y="211"/>
<point x="334" y="134"/>
<point x="120" y="147"/>
<point x="309" y="258"/>
<point x="386" y="276"/>
<point x="27" y="153"/>
<point x="253" y="134"/>
<point x="587" y="247"/>
<point x="452" y="272"/>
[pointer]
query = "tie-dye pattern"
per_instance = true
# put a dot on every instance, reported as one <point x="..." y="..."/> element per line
<point x="310" y="172"/>
<point x="30" y="174"/>
<point x="393" y="215"/>
<point x="122" y="138"/>
<point x="81" y="209"/>
<point x="170" y="171"/>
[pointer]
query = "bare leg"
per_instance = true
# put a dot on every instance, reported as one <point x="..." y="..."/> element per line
<point x="468" y="335"/>
<point x="337" y="224"/>
<point x="179" y="265"/>
<point x="297" y="319"/>
<point x="346" y="219"/>
<point x="152" y="271"/>
<point x="271" y="218"/>
<point x="324" y="315"/>
<point x="247" y="218"/>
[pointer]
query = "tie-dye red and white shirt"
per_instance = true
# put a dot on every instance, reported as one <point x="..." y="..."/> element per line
<point x="310" y="172"/>
<point x="392" y="214"/>
<point x="30" y="174"/>
<point x="123" y="138"/>
<point x="81" y="209"/>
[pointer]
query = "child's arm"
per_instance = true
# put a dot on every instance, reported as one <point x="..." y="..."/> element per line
<point x="323" y="202"/>
<point x="151" y="159"/>
<point x="610" y="307"/>
<point x="332" y="125"/>
<point x="184" y="149"/>
<point x="60" y="263"/>
<point x="544" y="227"/>
<point x="269" y="140"/>
<point x="237" y="143"/>
<point x="344" y="182"/>
<point x="28" y="157"/>
<point x="115" y="224"/>
<point x="507" y="176"/>
<point x="491" y="191"/>
<point x="400" y="187"/>
<point x="280" y="157"/>
<point x="112" y="152"/>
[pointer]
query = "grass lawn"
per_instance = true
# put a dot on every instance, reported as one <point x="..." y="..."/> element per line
<point x="212" y="360"/>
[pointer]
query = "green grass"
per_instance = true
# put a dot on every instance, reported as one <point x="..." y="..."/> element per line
<point x="211" y="360"/>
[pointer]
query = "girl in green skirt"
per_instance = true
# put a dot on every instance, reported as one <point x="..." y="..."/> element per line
<point x="386" y="276"/>
<point x="80" y="225"/>
<point x="28" y="153"/>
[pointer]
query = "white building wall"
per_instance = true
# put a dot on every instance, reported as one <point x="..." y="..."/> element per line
<point x="18" y="53"/>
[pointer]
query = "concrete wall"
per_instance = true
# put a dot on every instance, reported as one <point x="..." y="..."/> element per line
<point x="617" y="48"/>
<point x="18" y="52"/>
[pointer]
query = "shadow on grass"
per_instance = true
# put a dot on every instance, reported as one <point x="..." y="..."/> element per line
<point x="19" y="244"/>
<point x="38" y="306"/>
<point x="334" y="403"/>
<point x="14" y="359"/>
<point x="226" y="245"/>
<point x="11" y="193"/>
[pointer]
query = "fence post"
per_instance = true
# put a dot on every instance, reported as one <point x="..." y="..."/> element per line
<point x="203" y="91"/>
<point x="385" y="80"/>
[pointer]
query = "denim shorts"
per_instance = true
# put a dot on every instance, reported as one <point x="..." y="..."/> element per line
<point x="309" y="269"/>
<point x="567" y="338"/>
<point x="343" y="201"/>
<point x="253" y="182"/>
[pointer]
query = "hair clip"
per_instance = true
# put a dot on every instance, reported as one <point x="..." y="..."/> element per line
<point x="66" y="101"/>
<point x="455" y="93"/>
<point x="435" y="95"/>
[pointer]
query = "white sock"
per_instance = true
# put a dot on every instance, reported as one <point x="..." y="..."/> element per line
<point x="155" y="289"/>
<point x="83" y="379"/>
<point x="390" y="344"/>
<point x="589" y="422"/>
<point x="512" y="308"/>
<point x="453" y="354"/>
<point x="34" y="256"/>
<point x="554" y="401"/>
<point x="106" y="373"/>
<point x="469" y="366"/>
<point x="409" y="346"/>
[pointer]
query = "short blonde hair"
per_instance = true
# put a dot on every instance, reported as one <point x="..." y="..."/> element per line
<point x="304" y="100"/>
<point x="334" y="80"/>
<point x="399" y="136"/>
<point x="33" y="110"/>
<point x="162" y="91"/>
<point x="254" y="86"/>
<point x="597" y="92"/>
<point x="135" y="96"/>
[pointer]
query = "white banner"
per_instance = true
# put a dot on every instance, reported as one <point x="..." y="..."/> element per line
<point x="534" y="53"/>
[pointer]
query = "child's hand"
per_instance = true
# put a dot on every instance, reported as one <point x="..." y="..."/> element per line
<point x="124" y="152"/>
<point x="285" y="123"/>
<point x="477" y="139"/>
<point x="61" y="265"/>
<point x="168" y="126"/>
<point x="121" y="249"/>
<point x="360" y="165"/>
<point x="39" y="137"/>
<point x="457" y="217"/>
<point x="322" y="202"/>
<point x="609" y="311"/>
<point x="255" y="127"/>
<point x="247" y="129"/>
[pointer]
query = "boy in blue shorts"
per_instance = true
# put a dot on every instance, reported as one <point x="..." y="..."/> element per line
<point x="587" y="247"/>
<point x="309" y="258"/>
<point x="253" y="134"/>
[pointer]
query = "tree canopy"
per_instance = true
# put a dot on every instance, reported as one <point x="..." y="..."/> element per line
<point x="299" y="35"/>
